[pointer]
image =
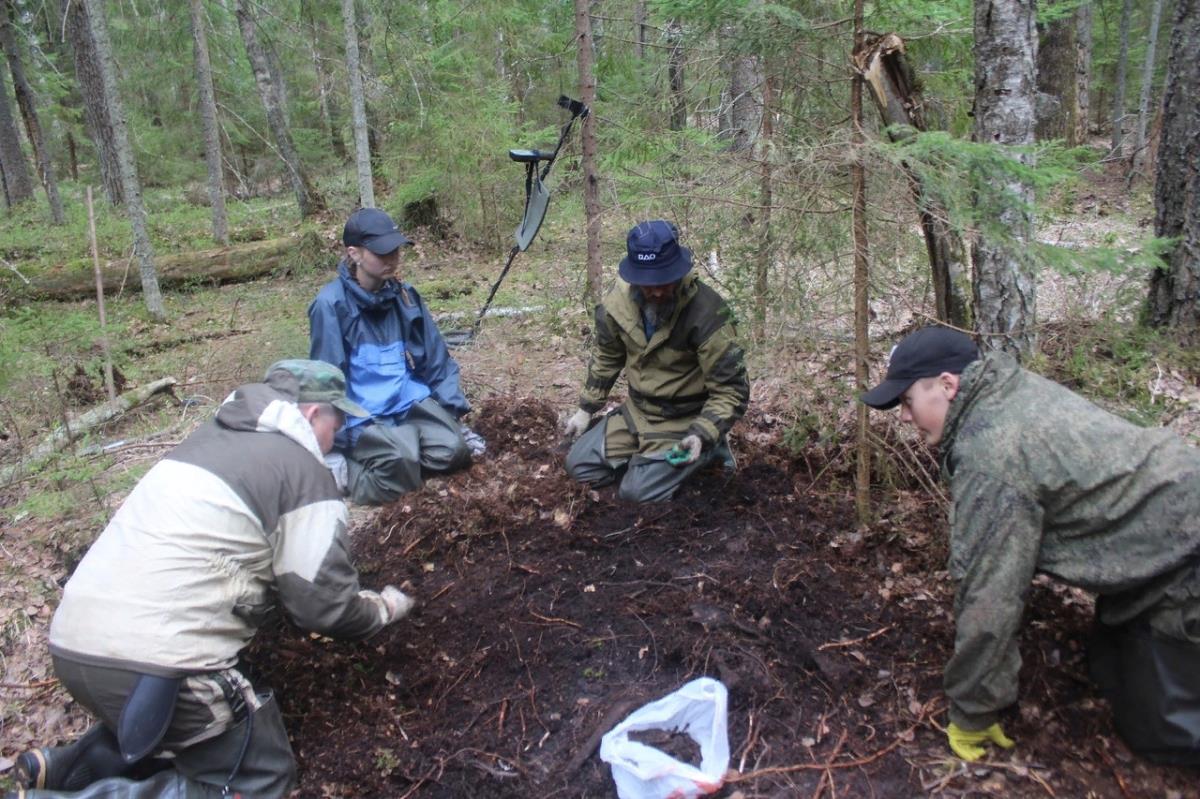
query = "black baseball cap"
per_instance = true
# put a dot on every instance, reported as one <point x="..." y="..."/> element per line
<point x="373" y="229"/>
<point x="926" y="353"/>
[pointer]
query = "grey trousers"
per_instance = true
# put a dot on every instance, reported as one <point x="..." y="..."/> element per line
<point x="648" y="477"/>
<point x="203" y="742"/>
<point x="390" y="460"/>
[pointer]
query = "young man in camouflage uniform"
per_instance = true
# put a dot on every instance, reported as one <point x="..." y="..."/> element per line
<point x="674" y="338"/>
<point x="240" y="517"/>
<point x="1041" y="480"/>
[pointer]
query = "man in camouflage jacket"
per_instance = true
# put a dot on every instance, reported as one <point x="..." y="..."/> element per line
<point x="674" y="338"/>
<point x="1041" y="480"/>
<point x="239" y="519"/>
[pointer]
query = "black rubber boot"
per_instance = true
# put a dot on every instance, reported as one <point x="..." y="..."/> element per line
<point x="95" y="756"/>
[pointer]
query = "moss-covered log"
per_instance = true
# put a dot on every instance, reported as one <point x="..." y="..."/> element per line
<point x="231" y="264"/>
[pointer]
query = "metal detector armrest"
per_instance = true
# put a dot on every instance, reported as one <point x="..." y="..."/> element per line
<point x="529" y="156"/>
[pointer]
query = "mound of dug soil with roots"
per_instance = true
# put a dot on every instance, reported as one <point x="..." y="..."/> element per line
<point x="548" y="611"/>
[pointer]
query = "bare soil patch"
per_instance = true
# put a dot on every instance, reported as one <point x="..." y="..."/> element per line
<point x="549" y="611"/>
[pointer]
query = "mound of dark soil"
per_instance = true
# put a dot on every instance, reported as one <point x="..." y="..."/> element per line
<point x="549" y="611"/>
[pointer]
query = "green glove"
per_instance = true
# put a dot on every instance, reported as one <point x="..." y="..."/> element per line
<point x="966" y="743"/>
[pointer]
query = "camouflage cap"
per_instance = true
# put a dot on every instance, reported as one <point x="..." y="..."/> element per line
<point x="315" y="381"/>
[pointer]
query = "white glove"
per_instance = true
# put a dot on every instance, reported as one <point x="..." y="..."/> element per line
<point x="392" y="603"/>
<point x="577" y="424"/>
<point x="693" y="445"/>
<point x="474" y="442"/>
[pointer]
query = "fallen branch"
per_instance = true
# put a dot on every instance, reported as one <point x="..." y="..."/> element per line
<point x="75" y="428"/>
<point x="853" y="641"/>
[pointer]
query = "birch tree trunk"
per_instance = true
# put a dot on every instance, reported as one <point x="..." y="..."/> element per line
<point x="1139" y="139"/>
<point x="27" y="102"/>
<point x="591" y="184"/>
<point x="131" y="186"/>
<point x="307" y="200"/>
<point x="675" y="75"/>
<point x="1175" y="288"/>
<point x="96" y="115"/>
<point x="358" y="105"/>
<point x="18" y="186"/>
<point x="208" y="122"/>
<point x="1005" y="85"/>
<point x="1118" y="107"/>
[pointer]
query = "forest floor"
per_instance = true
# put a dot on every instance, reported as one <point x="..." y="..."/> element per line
<point x="548" y="611"/>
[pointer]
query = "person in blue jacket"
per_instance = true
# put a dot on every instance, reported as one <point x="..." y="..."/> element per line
<point x="376" y="329"/>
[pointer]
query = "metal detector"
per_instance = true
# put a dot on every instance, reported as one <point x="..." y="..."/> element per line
<point x="537" y="200"/>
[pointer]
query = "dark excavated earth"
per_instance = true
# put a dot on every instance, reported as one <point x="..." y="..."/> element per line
<point x="549" y="611"/>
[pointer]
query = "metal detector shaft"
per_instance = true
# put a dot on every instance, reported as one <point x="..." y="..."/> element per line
<point x="512" y="254"/>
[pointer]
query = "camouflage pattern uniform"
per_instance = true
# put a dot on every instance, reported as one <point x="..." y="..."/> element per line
<point x="1044" y="481"/>
<point x="688" y="377"/>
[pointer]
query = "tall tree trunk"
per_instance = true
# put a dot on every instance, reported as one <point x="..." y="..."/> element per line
<point x="591" y="184"/>
<point x="1139" y="140"/>
<point x="1175" y="288"/>
<point x="1056" y="78"/>
<point x="96" y="116"/>
<point x="766" y="248"/>
<point x="858" y="176"/>
<point x="131" y="186"/>
<point x="358" y="105"/>
<point x="1005" y="83"/>
<point x="1083" y="73"/>
<point x="894" y="88"/>
<point x="18" y="186"/>
<point x="28" y="105"/>
<point x="326" y="102"/>
<point x="675" y="75"/>
<point x="208" y="119"/>
<point x="1118" y="107"/>
<point x="743" y="110"/>
<point x="639" y="29"/>
<point x="307" y="199"/>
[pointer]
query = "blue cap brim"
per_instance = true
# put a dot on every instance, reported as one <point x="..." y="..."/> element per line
<point x="382" y="245"/>
<point x="637" y="275"/>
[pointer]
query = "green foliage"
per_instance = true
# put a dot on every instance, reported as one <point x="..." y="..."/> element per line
<point x="982" y="187"/>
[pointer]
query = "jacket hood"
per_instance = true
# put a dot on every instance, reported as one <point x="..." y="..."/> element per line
<point x="367" y="300"/>
<point x="979" y="382"/>
<point x="260" y="408"/>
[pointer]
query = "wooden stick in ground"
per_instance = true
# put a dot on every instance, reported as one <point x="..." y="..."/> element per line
<point x="108" y="368"/>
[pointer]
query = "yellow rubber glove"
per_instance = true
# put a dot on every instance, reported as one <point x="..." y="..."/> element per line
<point x="966" y="743"/>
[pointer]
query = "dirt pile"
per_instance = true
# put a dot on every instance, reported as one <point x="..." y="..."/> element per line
<point x="549" y="611"/>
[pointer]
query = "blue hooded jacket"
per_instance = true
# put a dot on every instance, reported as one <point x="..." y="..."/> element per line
<point x="387" y="345"/>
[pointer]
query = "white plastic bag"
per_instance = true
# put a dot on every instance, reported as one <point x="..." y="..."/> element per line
<point x="643" y="772"/>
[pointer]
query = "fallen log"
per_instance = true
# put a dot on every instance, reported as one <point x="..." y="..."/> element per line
<point x="77" y="427"/>
<point x="232" y="264"/>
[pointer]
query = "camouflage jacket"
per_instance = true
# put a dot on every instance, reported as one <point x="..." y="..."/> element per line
<point x="690" y="370"/>
<point x="1041" y="480"/>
